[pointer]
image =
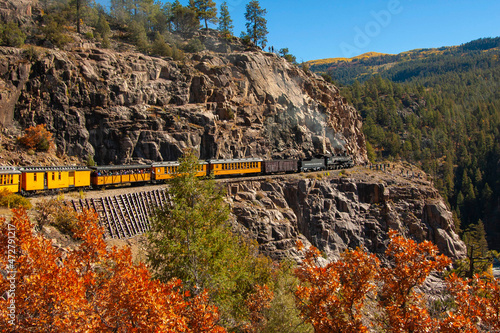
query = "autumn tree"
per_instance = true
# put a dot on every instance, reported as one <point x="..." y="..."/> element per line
<point x="191" y="239"/>
<point x="256" y="23"/>
<point x="89" y="288"/>
<point x="225" y="22"/>
<point x="256" y="303"/>
<point x="477" y="305"/>
<point x="331" y="297"/>
<point x="37" y="138"/>
<point x="411" y="264"/>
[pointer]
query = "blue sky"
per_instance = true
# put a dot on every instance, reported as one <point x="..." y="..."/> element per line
<point x="325" y="29"/>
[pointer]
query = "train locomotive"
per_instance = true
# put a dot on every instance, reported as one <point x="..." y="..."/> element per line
<point x="29" y="180"/>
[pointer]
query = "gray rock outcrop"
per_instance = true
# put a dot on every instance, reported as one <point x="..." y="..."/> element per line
<point x="128" y="107"/>
<point x="336" y="213"/>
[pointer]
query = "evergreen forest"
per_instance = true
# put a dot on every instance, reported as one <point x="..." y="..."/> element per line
<point x="440" y="109"/>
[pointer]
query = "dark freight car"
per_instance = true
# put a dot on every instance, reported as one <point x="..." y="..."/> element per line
<point x="279" y="166"/>
<point x="314" y="164"/>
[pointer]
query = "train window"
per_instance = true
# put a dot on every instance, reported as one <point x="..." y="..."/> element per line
<point x="34" y="177"/>
<point x="59" y="175"/>
<point x="1" y="179"/>
<point x="53" y="176"/>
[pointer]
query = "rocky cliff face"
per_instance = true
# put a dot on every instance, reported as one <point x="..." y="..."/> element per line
<point x="335" y="213"/>
<point x="123" y="107"/>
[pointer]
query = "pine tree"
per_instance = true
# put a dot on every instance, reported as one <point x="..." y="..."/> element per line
<point x="477" y="248"/>
<point x="103" y="27"/>
<point x="225" y="22"/>
<point x="184" y="18"/>
<point x="205" y="10"/>
<point x="256" y="23"/>
<point x="191" y="240"/>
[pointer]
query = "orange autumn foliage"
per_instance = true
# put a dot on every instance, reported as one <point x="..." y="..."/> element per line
<point x="256" y="303"/>
<point x="332" y="297"/>
<point x="411" y="265"/>
<point x="37" y="138"/>
<point x="92" y="288"/>
<point x="477" y="305"/>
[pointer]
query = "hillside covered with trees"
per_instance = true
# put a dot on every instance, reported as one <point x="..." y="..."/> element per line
<point x="156" y="28"/>
<point x="439" y="108"/>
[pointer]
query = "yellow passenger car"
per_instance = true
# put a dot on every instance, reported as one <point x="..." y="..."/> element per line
<point x="167" y="170"/>
<point x="9" y="178"/>
<point x="235" y="166"/>
<point x="52" y="178"/>
<point x="120" y="174"/>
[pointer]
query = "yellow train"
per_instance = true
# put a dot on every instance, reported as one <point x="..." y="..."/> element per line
<point x="53" y="178"/>
<point x="10" y="178"/>
<point x="35" y="179"/>
<point x="120" y="174"/>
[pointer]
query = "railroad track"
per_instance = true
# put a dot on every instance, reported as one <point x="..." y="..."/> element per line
<point x="124" y="215"/>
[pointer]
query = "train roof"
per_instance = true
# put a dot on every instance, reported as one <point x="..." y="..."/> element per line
<point x="121" y="167"/>
<point x="172" y="163"/>
<point x="53" y="168"/>
<point x="236" y="160"/>
<point x="9" y="170"/>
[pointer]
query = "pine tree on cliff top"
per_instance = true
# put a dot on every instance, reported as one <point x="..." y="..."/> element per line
<point x="206" y="10"/>
<point x="225" y="22"/>
<point x="256" y="23"/>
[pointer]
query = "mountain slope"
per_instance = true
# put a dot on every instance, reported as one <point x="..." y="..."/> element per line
<point x="407" y="65"/>
<point x="439" y="108"/>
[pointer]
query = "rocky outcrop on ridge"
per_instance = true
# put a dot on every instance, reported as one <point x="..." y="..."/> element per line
<point x="336" y="212"/>
<point x="125" y="107"/>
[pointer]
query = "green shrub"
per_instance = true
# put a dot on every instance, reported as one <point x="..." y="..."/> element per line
<point x="32" y="54"/>
<point x="194" y="45"/>
<point x="12" y="200"/>
<point x="53" y="212"/>
<point x="11" y="35"/>
<point x="177" y="54"/>
<point x="90" y="160"/>
<point x="160" y="47"/>
<point x="105" y="43"/>
<point x="53" y="32"/>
